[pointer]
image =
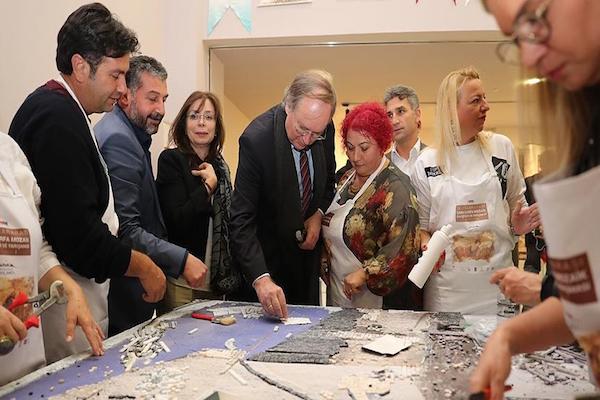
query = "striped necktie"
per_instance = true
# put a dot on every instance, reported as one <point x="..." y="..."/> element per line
<point x="306" y="182"/>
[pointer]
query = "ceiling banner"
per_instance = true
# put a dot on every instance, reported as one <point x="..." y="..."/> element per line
<point x="218" y="8"/>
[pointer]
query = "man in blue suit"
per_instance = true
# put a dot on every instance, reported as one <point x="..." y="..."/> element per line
<point x="124" y="136"/>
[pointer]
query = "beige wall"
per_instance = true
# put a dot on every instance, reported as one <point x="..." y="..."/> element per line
<point x="341" y="20"/>
<point x="351" y="17"/>
<point x="175" y="32"/>
<point x="28" y="44"/>
<point x="172" y="32"/>
<point x="235" y="123"/>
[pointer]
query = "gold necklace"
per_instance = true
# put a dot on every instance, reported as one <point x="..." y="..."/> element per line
<point x="354" y="188"/>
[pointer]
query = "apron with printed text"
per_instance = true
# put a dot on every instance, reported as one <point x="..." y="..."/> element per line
<point x="343" y="260"/>
<point x="20" y="244"/>
<point x="481" y="242"/>
<point x="569" y="210"/>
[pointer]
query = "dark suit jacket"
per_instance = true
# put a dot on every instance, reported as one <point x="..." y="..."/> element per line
<point x="266" y="211"/>
<point x="53" y="133"/>
<point x="185" y="202"/>
<point x="125" y="151"/>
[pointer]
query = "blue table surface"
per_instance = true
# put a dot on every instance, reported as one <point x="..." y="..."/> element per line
<point x="251" y="335"/>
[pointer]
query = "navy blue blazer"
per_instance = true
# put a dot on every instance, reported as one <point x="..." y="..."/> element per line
<point x="136" y="201"/>
<point x="125" y="149"/>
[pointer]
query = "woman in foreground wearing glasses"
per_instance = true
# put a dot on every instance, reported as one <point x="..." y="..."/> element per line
<point x="370" y="229"/>
<point x="471" y="181"/>
<point x="194" y="189"/>
<point x="559" y="40"/>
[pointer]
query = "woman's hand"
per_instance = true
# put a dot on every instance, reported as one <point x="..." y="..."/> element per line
<point x="425" y="237"/>
<point x="525" y="219"/>
<point x="494" y="366"/>
<point x="207" y="173"/>
<point x="518" y="286"/>
<point x="354" y="282"/>
<point x="78" y="313"/>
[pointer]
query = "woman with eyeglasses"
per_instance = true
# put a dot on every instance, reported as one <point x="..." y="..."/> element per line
<point x="370" y="229"/>
<point x="559" y="40"/>
<point x="470" y="181"/>
<point x="194" y="189"/>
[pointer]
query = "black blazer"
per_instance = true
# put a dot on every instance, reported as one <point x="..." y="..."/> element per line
<point x="266" y="211"/>
<point x="184" y="202"/>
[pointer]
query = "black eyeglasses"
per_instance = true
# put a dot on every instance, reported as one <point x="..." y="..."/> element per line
<point x="530" y="27"/>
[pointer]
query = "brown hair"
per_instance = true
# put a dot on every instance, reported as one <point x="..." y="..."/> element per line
<point x="178" y="132"/>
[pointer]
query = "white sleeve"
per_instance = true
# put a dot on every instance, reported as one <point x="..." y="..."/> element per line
<point x="32" y="193"/>
<point x="420" y="182"/>
<point x="516" y="183"/>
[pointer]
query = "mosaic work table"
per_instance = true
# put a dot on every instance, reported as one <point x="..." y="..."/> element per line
<point x="261" y="358"/>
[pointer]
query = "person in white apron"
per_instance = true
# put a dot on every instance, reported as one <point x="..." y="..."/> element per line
<point x="559" y="40"/>
<point x="471" y="182"/>
<point x="370" y="228"/>
<point x="26" y="259"/>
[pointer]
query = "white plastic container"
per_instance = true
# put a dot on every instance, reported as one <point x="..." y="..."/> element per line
<point x="437" y="244"/>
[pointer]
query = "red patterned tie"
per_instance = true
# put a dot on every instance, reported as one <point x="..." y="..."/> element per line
<point x="306" y="183"/>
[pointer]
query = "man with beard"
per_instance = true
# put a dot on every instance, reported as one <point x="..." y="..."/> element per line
<point x="124" y="136"/>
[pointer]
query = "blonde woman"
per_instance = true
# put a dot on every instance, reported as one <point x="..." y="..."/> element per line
<point x="472" y="181"/>
<point x="559" y="40"/>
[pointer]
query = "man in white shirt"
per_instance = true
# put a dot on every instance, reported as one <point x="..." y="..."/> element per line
<point x="402" y="105"/>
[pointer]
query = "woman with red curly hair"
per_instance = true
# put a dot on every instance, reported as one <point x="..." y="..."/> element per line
<point x="370" y="228"/>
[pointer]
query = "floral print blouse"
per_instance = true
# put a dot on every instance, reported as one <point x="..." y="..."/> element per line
<point x="382" y="232"/>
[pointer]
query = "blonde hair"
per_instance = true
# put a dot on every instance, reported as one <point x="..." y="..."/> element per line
<point x="447" y="130"/>
<point x="565" y="119"/>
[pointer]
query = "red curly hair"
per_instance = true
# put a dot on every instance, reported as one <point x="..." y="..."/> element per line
<point x="371" y="120"/>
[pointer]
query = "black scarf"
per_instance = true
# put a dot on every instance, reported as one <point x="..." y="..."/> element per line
<point x="224" y="278"/>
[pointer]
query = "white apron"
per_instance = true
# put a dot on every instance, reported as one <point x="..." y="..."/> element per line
<point x="95" y="293"/>
<point x="481" y="243"/>
<point x="570" y="216"/>
<point x="343" y="261"/>
<point x="20" y="244"/>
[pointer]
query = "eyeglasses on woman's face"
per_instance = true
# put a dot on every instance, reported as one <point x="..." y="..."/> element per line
<point x="530" y="26"/>
<point x="196" y="116"/>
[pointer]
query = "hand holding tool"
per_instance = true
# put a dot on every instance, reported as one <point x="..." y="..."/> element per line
<point x="486" y="393"/>
<point x="56" y="294"/>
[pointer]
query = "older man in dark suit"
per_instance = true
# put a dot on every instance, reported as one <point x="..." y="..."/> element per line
<point x="284" y="182"/>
